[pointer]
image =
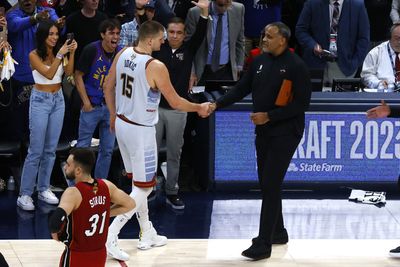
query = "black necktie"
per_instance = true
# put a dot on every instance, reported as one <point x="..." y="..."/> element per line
<point x="335" y="17"/>
<point x="397" y="66"/>
<point x="217" y="45"/>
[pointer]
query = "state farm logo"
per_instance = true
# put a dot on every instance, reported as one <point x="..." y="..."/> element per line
<point x="292" y="168"/>
<point x="314" y="167"/>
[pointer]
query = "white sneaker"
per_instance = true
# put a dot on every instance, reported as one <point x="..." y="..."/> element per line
<point x="48" y="197"/>
<point x="113" y="250"/>
<point x="149" y="239"/>
<point x="25" y="202"/>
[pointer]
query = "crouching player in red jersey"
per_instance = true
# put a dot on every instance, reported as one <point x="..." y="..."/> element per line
<point x="82" y="218"/>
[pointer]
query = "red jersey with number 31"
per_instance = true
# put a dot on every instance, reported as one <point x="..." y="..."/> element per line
<point x="91" y="220"/>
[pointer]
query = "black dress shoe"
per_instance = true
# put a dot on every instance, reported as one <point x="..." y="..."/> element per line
<point x="257" y="252"/>
<point x="395" y="253"/>
<point x="279" y="238"/>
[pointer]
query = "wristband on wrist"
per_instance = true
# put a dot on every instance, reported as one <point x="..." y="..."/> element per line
<point x="35" y="17"/>
<point x="59" y="56"/>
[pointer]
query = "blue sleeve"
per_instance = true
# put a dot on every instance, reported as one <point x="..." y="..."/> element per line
<point x="16" y="22"/>
<point x="123" y="37"/>
<point x="303" y="27"/>
<point x="53" y="14"/>
<point x="363" y="37"/>
<point x="54" y="17"/>
<point x="128" y="34"/>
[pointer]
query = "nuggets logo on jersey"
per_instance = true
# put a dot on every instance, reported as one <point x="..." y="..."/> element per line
<point x="130" y="64"/>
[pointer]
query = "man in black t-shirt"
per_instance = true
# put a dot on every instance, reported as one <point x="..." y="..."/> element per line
<point x="84" y="24"/>
<point x="177" y="56"/>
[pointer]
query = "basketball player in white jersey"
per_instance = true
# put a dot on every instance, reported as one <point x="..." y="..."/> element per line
<point x="133" y="104"/>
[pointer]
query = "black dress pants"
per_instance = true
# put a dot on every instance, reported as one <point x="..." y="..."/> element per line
<point x="274" y="154"/>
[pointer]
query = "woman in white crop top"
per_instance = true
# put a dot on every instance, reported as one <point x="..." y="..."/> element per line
<point x="48" y="58"/>
<point x="46" y="112"/>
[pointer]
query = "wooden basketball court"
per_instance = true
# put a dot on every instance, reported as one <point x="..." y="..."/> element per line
<point x="219" y="253"/>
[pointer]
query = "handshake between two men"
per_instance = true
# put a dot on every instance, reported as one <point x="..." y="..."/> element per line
<point x="206" y="109"/>
<point x="258" y="118"/>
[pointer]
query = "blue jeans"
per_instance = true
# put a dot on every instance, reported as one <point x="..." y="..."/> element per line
<point x="88" y="122"/>
<point x="46" y="114"/>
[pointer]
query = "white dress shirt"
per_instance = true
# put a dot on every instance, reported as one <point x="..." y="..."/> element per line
<point x="378" y="67"/>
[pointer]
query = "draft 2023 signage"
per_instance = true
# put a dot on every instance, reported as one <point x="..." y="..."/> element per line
<point x="335" y="147"/>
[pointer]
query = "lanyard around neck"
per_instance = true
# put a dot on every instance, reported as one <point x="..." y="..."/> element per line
<point x="391" y="61"/>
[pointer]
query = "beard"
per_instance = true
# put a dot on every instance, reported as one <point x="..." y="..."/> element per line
<point x="70" y="176"/>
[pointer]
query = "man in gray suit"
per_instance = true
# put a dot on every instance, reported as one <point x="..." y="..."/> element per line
<point x="221" y="55"/>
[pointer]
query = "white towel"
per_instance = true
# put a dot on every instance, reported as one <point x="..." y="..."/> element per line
<point x="368" y="197"/>
<point x="8" y="68"/>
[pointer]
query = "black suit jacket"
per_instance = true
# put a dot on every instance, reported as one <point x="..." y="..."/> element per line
<point x="394" y="112"/>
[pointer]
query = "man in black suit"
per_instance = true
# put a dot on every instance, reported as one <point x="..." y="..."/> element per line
<point x="279" y="126"/>
<point x="228" y="52"/>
